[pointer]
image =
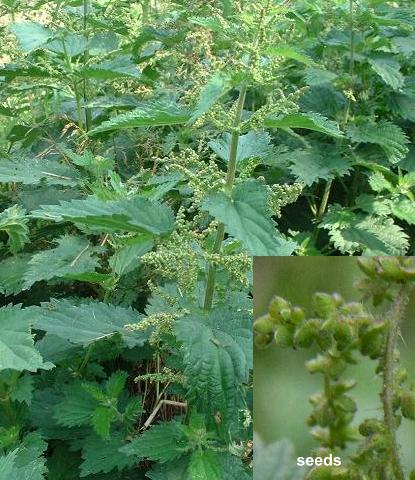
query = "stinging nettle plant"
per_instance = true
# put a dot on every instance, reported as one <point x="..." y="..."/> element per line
<point x="339" y="331"/>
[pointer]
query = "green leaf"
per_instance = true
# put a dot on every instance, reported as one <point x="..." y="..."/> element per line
<point x="77" y="407"/>
<point x="73" y="255"/>
<point x="71" y="45"/>
<point x="215" y="88"/>
<point x="17" y="350"/>
<point x="104" y="455"/>
<point x="175" y="470"/>
<point x="88" y="322"/>
<point x="404" y="210"/>
<point x="309" y="121"/>
<point x="163" y="442"/>
<point x="205" y="465"/>
<point x="23" y="389"/>
<point x="13" y="221"/>
<point x="217" y="348"/>
<point x="127" y="257"/>
<point x="318" y="76"/>
<point x="252" y="144"/>
<point x="25" y="462"/>
<point x="247" y="218"/>
<point x="311" y="165"/>
<point x="353" y="233"/>
<point x="118" y="67"/>
<point x="390" y="138"/>
<point x="101" y="421"/>
<point x="31" y="171"/>
<point x="30" y="35"/>
<point x="276" y="461"/>
<point x="389" y="70"/>
<point x="129" y="215"/>
<point x="12" y="271"/>
<point x="286" y="51"/>
<point x="115" y="384"/>
<point x="148" y="114"/>
<point x="403" y="105"/>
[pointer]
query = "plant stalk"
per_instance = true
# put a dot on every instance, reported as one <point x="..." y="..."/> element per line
<point x="230" y="178"/>
<point x="395" y="316"/>
<point x="87" y="8"/>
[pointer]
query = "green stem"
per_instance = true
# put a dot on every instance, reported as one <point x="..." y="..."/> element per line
<point x="87" y="7"/>
<point x="230" y="178"/>
<point x="145" y="5"/>
<point x="394" y="316"/>
<point x="325" y="199"/>
<point x="74" y="85"/>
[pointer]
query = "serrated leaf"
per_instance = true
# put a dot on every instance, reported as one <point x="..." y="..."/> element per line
<point x="308" y="121"/>
<point x="17" y="349"/>
<point x="404" y="210"/>
<point x="276" y="461"/>
<point x="23" y="389"/>
<point x="127" y="257"/>
<point x="390" y="138"/>
<point x="104" y="455"/>
<point x="215" y="88"/>
<point x="252" y="144"/>
<point x="25" y="462"/>
<point x="389" y="70"/>
<point x="146" y="115"/>
<point x="118" y="67"/>
<point x="88" y="322"/>
<point x="324" y="99"/>
<point x="129" y="215"/>
<point x="12" y="271"/>
<point x="70" y="45"/>
<point x="101" y="421"/>
<point x="73" y="255"/>
<point x="352" y="233"/>
<point x="30" y="35"/>
<point x="205" y="465"/>
<point x="31" y="171"/>
<point x="286" y="51"/>
<point x="311" y="165"/>
<point x="318" y="76"/>
<point x="13" y="221"/>
<point x="175" y="470"/>
<point x="217" y="348"/>
<point x="115" y="384"/>
<point x="163" y="442"/>
<point x="403" y="105"/>
<point x="77" y="407"/>
<point x="247" y="218"/>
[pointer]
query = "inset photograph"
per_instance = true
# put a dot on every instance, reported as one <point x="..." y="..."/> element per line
<point x="334" y="368"/>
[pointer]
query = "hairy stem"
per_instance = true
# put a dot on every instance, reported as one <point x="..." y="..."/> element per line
<point x="394" y="316"/>
<point x="87" y="8"/>
<point x="230" y="178"/>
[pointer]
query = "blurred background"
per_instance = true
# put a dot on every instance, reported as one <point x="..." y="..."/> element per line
<point x="282" y="385"/>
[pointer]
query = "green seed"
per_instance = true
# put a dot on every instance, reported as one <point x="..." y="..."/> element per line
<point x="276" y="305"/>
<point x="324" y="304"/>
<point x="284" y="335"/>
<point x="408" y="405"/>
<point x="264" y="324"/>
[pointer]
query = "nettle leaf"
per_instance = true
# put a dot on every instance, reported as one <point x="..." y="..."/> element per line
<point x="175" y="470"/>
<point x="87" y="322"/>
<point x="314" y="164"/>
<point x="118" y="67"/>
<point x="163" y="442"/>
<point x="26" y="462"/>
<point x="215" y="88"/>
<point x="389" y="70"/>
<point x="14" y="221"/>
<point x="127" y="257"/>
<point x="252" y="144"/>
<point x="76" y="408"/>
<point x="31" y="171"/>
<point x="217" y="348"/>
<point x="205" y="465"/>
<point x="275" y="461"/>
<point x="286" y="51"/>
<point x="403" y="105"/>
<point x="129" y="215"/>
<point x="104" y="455"/>
<point x="318" y="76"/>
<point x="23" y="389"/>
<point x="390" y="138"/>
<point x="308" y="121"/>
<point x="12" y="271"/>
<point x="17" y="350"/>
<point x="404" y="210"/>
<point x="324" y="99"/>
<point x="352" y="233"/>
<point x="148" y="114"/>
<point x="70" y="44"/>
<point x="247" y="218"/>
<point x="30" y="35"/>
<point x="73" y="255"/>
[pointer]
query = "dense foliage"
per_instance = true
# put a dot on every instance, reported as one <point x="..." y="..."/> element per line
<point x="340" y="334"/>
